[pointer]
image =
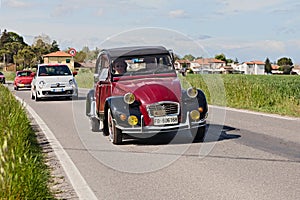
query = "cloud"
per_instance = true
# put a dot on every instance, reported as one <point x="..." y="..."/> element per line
<point x="235" y="6"/>
<point x="14" y="4"/>
<point x="177" y="14"/>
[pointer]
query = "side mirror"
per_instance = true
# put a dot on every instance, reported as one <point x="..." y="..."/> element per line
<point x="33" y="74"/>
<point x="75" y="73"/>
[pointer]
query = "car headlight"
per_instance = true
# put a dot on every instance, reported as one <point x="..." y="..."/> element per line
<point x="129" y="98"/>
<point x="41" y="84"/>
<point x="192" y="92"/>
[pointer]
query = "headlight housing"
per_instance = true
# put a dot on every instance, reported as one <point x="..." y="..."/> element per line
<point x="192" y="92"/>
<point x="129" y="98"/>
<point x="42" y="84"/>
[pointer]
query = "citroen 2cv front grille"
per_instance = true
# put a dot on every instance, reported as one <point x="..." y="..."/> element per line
<point x="163" y="109"/>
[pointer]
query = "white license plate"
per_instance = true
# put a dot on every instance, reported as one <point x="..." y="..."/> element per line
<point x="58" y="90"/>
<point x="165" y="120"/>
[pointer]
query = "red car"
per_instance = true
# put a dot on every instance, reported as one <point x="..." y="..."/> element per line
<point x="23" y="79"/>
<point x="137" y="92"/>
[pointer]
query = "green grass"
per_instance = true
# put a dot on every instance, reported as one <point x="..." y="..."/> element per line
<point x="272" y="94"/>
<point x="9" y="76"/>
<point x="23" y="174"/>
<point x="85" y="78"/>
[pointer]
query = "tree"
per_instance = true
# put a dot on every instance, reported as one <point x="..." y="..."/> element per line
<point x="220" y="57"/>
<point x="285" y="64"/>
<point x="284" y="61"/>
<point x="268" y="66"/>
<point x="189" y="57"/>
<point x="54" y="47"/>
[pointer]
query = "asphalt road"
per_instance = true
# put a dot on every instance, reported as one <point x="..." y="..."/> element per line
<point x="245" y="156"/>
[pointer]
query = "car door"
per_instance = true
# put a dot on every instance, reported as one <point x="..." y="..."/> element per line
<point x="103" y="86"/>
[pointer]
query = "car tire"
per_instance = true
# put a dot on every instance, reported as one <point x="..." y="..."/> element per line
<point x="36" y="97"/>
<point x="198" y="134"/>
<point x="115" y="134"/>
<point x="95" y="124"/>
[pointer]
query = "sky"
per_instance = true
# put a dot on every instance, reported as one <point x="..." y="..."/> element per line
<point x="242" y="30"/>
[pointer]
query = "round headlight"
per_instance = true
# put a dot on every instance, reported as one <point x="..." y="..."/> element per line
<point x="132" y="120"/>
<point x="71" y="82"/>
<point x="129" y="98"/>
<point x="192" y="92"/>
<point x="195" y="114"/>
<point x="41" y="84"/>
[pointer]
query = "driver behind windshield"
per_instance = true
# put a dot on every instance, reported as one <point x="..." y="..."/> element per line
<point x="119" y="67"/>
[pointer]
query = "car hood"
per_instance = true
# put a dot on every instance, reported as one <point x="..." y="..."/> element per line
<point x="24" y="79"/>
<point x="55" y="79"/>
<point x="150" y="90"/>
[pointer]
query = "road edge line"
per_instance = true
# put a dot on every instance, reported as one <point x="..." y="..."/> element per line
<point x="79" y="184"/>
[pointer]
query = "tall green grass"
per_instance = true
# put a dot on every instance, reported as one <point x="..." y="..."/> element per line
<point x="23" y="174"/>
<point x="272" y="94"/>
<point x="85" y="78"/>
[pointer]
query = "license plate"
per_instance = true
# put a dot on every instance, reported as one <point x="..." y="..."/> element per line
<point x="165" y="120"/>
<point x="58" y="90"/>
<point x="21" y="85"/>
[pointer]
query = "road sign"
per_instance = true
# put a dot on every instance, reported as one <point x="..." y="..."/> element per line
<point x="72" y="52"/>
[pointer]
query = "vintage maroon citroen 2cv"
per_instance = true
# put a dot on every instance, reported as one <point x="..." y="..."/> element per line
<point x="137" y="92"/>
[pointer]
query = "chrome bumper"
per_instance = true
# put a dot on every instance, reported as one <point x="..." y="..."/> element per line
<point x="155" y="129"/>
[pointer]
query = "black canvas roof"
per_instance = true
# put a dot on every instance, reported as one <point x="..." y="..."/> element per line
<point x="136" y="50"/>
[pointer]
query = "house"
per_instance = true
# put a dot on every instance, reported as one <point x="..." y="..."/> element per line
<point x="180" y="64"/>
<point x="251" y="67"/>
<point x="207" y="65"/>
<point x="59" y="57"/>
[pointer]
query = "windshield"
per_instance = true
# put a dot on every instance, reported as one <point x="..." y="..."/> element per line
<point x="1" y="73"/>
<point x="24" y="73"/>
<point x="141" y="65"/>
<point x="48" y="70"/>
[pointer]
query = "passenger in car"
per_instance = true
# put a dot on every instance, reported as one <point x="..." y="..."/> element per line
<point x="120" y="67"/>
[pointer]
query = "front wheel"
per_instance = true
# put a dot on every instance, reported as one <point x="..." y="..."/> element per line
<point x="198" y="134"/>
<point x="115" y="134"/>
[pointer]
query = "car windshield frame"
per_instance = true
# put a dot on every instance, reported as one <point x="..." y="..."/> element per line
<point x="144" y="65"/>
<point x="54" y="70"/>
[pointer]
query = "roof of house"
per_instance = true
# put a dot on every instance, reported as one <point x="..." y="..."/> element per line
<point x="257" y="62"/>
<point x="208" y="61"/>
<point x="58" y="54"/>
<point x="183" y="61"/>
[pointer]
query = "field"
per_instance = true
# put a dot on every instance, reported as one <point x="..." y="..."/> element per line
<point x="23" y="174"/>
<point x="271" y="94"/>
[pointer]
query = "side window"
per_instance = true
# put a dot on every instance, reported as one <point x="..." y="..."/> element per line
<point x="104" y="64"/>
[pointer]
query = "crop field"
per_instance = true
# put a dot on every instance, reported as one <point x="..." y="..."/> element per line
<point x="271" y="94"/>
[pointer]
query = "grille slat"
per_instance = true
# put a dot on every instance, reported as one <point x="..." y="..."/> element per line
<point x="163" y="109"/>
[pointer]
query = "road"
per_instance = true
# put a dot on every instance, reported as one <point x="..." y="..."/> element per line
<point x="244" y="156"/>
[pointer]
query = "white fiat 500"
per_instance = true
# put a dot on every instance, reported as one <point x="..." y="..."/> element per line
<point x="53" y="80"/>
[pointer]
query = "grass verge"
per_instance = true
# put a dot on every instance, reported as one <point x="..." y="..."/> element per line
<point x="23" y="174"/>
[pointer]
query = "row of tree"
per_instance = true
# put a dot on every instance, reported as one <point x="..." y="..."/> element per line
<point x="13" y="49"/>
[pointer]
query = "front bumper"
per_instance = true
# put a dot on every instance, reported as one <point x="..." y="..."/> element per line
<point x="155" y="129"/>
<point x="22" y="85"/>
<point x="57" y="92"/>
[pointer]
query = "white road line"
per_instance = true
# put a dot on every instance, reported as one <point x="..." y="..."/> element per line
<point x="256" y="113"/>
<point x="79" y="184"/>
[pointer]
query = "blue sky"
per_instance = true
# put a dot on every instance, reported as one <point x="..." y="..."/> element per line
<point x="243" y="30"/>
